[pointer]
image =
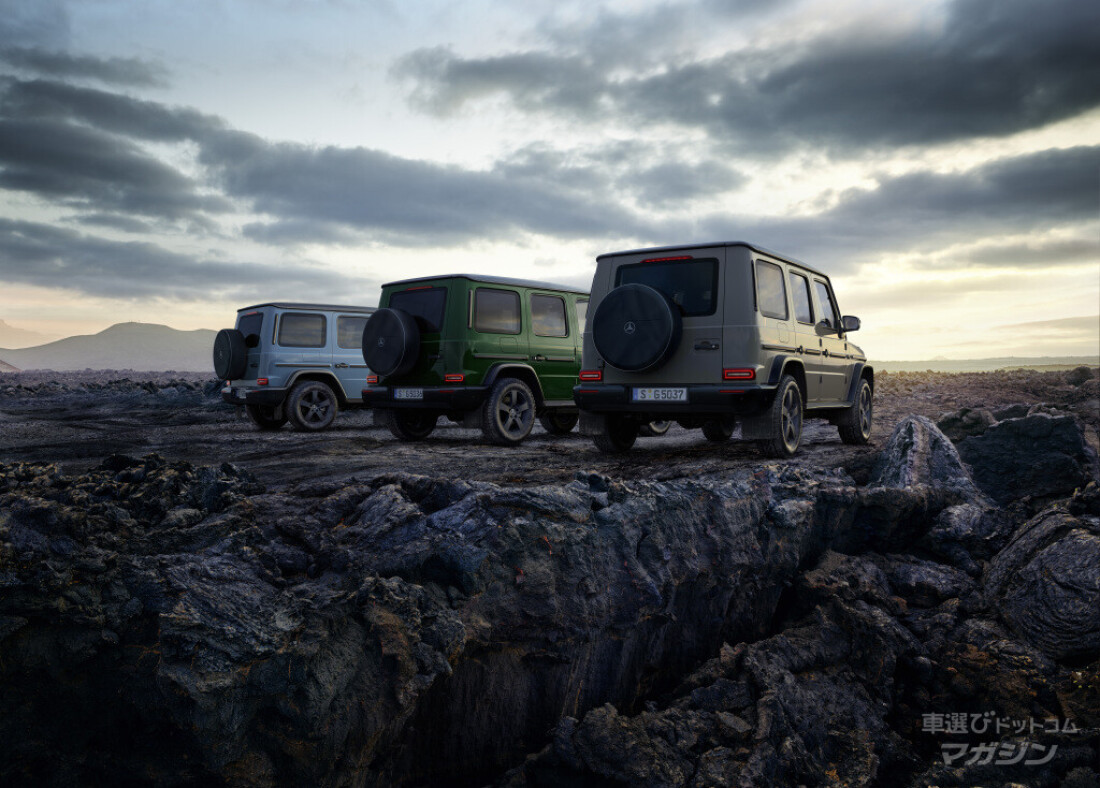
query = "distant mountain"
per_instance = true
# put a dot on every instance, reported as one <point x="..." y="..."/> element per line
<point x="146" y="347"/>
<point x="985" y="364"/>
<point x="6" y="367"/>
<point x="10" y="336"/>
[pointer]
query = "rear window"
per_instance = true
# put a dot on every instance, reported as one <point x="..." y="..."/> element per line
<point x="582" y="313"/>
<point x="251" y="324"/>
<point x="771" y="291"/>
<point x="548" y="316"/>
<point x="690" y="284"/>
<point x="298" y="330"/>
<point x="496" y="311"/>
<point x="425" y="304"/>
<point x="349" y="331"/>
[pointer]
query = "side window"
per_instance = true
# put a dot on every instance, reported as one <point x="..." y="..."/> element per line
<point x="548" y="316"/>
<point x="496" y="311"/>
<point x="582" y="313"/>
<point x="828" y="306"/>
<point x="298" y="330"/>
<point x="771" y="291"/>
<point x="800" y="292"/>
<point x="250" y="325"/>
<point x="349" y="331"/>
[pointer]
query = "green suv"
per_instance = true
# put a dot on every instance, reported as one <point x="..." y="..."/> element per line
<point x="488" y="352"/>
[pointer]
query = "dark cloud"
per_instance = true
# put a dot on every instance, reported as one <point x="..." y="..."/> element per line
<point x="1031" y="254"/>
<point x="39" y="23"/>
<point x="998" y="67"/>
<point x="111" y="112"/>
<point x="53" y="257"/>
<point x="126" y="224"/>
<point x="320" y="192"/>
<point x="79" y="166"/>
<point x="927" y="211"/>
<point x="129" y="72"/>
<point x="81" y="148"/>
<point x="668" y="184"/>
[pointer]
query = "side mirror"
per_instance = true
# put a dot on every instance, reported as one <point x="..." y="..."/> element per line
<point x="823" y="329"/>
<point x="850" y="323"/>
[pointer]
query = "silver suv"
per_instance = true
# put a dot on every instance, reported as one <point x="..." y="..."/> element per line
<point x="293" y="362"/>
<point x="712" y="334"/>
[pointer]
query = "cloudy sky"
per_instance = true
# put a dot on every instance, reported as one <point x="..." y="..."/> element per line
<point x="170" y="162"/>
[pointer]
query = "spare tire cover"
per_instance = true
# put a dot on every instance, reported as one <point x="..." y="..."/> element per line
<point x="391" y="342"/>
<point x="230" y="354"/>
<point x="636" y="328"/>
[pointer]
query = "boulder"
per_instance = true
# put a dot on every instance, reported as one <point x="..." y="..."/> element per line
<point x="919" y="454"/>
<point x="1046" y="584"/>
<point x="1036" y="456"/>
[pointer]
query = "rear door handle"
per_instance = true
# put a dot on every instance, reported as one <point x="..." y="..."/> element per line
<point x="540" y="357"/>
<point x="706" y="344"/>
<point x="341" y="366"/>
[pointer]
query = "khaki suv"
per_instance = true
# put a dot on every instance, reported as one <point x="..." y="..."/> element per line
<point x="714" y="334"/>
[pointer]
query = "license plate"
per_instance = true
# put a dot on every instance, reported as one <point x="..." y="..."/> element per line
<point x="661" y="395"/>
<point x="408" y="393"/>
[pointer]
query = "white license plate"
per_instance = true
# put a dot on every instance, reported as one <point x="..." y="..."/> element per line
<point x="661" y="395"/>
<point x="408" y="393"/>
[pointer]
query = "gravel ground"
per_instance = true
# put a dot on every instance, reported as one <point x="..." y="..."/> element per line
<point x="77" y="419"/>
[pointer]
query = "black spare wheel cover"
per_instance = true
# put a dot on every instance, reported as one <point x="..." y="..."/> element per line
<point x="230" y="354"/>
<point x="391" y="342"/>
<point x="636" y="328"/>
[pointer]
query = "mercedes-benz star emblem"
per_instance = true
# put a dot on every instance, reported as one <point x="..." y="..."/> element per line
<point x="629" y="328"/>
<point x="381" y="341"/>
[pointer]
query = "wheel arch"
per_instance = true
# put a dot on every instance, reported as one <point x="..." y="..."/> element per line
<point x="860" y="373"/>
<point x="788" y="365"/>
<point x="327" y="378"/>
<point x="522" y="372"/>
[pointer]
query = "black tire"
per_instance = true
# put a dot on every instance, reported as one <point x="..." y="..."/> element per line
<point x="409" y="425"/>
<point x="263" y="416"/>
<point x="559" y="423"/>
<point x="616" y="435"/>
<point x="654" y="429"/>
<point x="391" y="342"/>
<point x="785" y="416"/>
<point x="311" y="406"/>
<point x="509" y="413"/>
<point x="636" y="328"/>
<point x="230" y="354"/>
<point x="719" y="430"/>
<point x="854" y="424"/>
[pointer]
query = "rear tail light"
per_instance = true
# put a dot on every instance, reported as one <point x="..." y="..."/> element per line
<point x="372" y="378"/>
<point x="261" y="381"/>
<point x="738" y="374"/>
<point x="454" y="377"/>
<point x="591" y="375"/>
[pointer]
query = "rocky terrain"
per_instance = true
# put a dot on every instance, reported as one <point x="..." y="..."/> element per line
<point x="185" y="601"/>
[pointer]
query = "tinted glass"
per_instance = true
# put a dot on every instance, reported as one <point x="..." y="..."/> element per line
<point x="825" y="299"/>
<point x="349" y="331"/>
<point x="690" y="284"/>
<point x="582" y="313"/>
<point x="425" y="304"/>
<point x="548" y="316"/>
<point x="496" y="311"/>
<point x="771" y="292"/>
<point x="800" y="292"/>
<point x="297" y="330"/>
<point x="251" y="324"/>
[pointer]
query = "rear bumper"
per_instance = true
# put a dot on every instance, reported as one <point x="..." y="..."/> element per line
<point x="729" y="398"/>
<point x="236" y="395"/>
<point x="454" y="399"/>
